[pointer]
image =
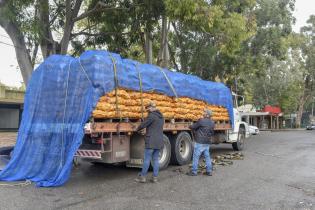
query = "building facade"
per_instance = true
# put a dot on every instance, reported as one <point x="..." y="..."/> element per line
<point x="11" y="108"/>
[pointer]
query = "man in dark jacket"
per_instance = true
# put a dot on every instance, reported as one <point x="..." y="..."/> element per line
<point x="153" y="141"/>
<point x="203" y="130"/>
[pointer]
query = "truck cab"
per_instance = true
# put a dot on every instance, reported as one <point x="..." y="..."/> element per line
<point x="240" y="131"/>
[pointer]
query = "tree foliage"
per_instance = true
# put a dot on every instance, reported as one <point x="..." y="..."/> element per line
<point x="208" y="45"/>
<point x="247" y="44"/>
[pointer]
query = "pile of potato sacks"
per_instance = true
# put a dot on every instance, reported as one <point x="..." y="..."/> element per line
<point x="130" y="104"/>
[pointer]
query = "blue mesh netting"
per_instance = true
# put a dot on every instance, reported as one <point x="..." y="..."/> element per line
<point x="61" y="96"/>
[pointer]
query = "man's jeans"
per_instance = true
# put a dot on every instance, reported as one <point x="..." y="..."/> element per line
<point x="198" y="150"/>
<point x="148" y="155"/>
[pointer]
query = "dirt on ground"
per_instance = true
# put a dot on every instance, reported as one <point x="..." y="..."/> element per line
<point x="7" y="138"/>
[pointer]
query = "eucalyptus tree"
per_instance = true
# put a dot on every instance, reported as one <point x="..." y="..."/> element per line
<point x="48" y="25"/>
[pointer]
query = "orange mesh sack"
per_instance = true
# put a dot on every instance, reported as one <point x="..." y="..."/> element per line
<point x="131" y="104"/>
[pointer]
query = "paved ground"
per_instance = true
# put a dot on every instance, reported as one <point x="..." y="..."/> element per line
<point x="277" y="173"/>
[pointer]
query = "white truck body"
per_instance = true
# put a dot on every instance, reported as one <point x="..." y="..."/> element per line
<point x="233" y="134"/>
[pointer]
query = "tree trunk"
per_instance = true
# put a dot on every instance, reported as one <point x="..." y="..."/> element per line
<point x="182" y="54"/>
<point x="148" y="47"/>
<point x="303" y="99"/>
<point x="266" y="93"/>
<point x="34" y="55"/>
<point x="22" y="54"/>
<point x="164" y="56"/>
<point x="172" y="58"/>
<point x="300" y="112"/>
<point x="307" y="93"/>
<point x="47" y="44"/>
<point x="70" y="15"/>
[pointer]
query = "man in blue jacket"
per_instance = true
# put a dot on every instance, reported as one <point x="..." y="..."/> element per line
<point x="153" y="141"/>
<point x="203" y="130"/>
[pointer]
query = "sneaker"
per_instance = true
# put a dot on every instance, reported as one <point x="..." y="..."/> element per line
<point x="208" y="173"/>
<point x="191" y="174"/>
<point x="154" y="179"/>
<point x="141" y="179"/>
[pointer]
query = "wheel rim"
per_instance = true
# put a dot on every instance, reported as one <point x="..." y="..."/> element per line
<point x="184" y="147"/>
<point x="241" y="139"/>
<point x="163" y="154"/>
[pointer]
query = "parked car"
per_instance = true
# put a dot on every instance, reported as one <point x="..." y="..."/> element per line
<point x="253" y="130"/>
<point x="310" y="127"/>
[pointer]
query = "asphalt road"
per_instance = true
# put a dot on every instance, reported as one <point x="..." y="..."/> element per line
<point x="277" y="173"/>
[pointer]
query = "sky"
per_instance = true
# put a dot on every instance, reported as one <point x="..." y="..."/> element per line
<point x="11" y="76"/>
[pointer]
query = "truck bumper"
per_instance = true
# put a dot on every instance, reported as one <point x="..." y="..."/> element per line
<point x="89" y="154"/>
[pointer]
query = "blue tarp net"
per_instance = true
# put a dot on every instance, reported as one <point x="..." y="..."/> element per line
<point x="61" y="96"/>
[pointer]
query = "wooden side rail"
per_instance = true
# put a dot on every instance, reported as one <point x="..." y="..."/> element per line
<point x="98" y="127"/>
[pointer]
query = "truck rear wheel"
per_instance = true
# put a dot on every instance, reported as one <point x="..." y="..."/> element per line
<point x="181" y="148"/>
<point x="165" y="153"/>
<point x="239" y="145"/>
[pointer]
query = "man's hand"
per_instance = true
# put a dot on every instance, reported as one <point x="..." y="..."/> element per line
<point x="142" y="132"/>
<point x="190" y="125"/>
<point x="133" y="126"/>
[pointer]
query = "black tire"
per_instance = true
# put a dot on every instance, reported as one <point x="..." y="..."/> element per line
<point x="76" y="162"/>
<point x="181" y="148"/>
<point x="239" y="145"/>
<point x="165" y="153"/>
<point x="7" y="151"/>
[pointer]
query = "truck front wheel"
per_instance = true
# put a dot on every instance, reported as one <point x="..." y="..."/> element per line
<point x="239" y="145"/>
<point x="165" y="153"/>
<point x="181" y="148"/>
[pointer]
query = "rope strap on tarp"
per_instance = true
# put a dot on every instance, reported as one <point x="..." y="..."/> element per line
<point x="141" y="92"/>
<point x="86" y="75"/>
<point x="116" y="94"/>
<point x="116" y="85"/>
<point x="169" y="82"/>
<point x="17" y="184"/>
<point x="62" y="152"/>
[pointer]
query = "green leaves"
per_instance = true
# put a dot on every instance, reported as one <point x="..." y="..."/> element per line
<point x="248" y="41"/>
<point x="269" y="60"/>
<point x="232" y="31"/>
<point x="209" y="34"/>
